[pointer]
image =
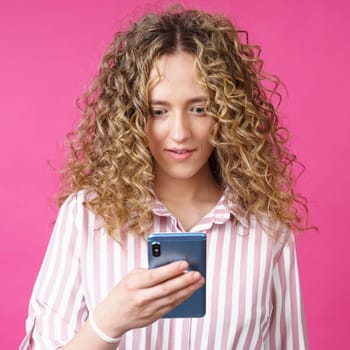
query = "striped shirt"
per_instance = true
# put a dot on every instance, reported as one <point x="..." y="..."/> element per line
<point x="253" y="292"/>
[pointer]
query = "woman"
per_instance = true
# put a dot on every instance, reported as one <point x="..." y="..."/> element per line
<point x="178" y="134"/>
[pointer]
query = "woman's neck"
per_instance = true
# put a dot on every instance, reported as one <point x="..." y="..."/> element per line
<point x="187" y="190"/>
<point x="188" y="200"/>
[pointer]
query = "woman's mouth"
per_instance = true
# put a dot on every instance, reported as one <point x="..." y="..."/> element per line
<point x="180" y="154"/>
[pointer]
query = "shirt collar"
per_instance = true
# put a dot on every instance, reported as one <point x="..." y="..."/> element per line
<point x="219" y="214"/>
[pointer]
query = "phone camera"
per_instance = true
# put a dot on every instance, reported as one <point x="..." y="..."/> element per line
<point x="156" y="249"/>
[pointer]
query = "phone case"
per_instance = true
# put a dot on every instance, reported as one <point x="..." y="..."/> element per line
<point x="164" y="248"/>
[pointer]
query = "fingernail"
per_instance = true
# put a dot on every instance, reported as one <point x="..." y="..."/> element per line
<point x="183" y="265"/>
<point x="201" y="282"/>
<point x="196" y="275"/>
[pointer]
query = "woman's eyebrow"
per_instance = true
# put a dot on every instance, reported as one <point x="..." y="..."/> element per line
<point x="159" y="102"/>
<point x="191" y="100"/>
<point x="198" y="99"/>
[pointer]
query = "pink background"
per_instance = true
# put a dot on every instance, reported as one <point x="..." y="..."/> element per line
<point x="49" y="51"/>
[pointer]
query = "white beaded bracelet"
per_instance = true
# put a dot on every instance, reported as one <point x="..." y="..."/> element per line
<point x="100" y="333"/>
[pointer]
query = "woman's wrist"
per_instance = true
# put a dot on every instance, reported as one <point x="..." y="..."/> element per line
<point x="101" y="334"/>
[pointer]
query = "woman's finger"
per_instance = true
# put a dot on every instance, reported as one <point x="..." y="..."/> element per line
<point x="142" y="278"/>
<point x="171" y="291"/>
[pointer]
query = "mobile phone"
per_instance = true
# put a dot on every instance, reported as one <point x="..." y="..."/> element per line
<point x="164" y="248"/>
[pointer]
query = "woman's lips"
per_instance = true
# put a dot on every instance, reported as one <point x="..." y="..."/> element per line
<point x="179" y="154"/>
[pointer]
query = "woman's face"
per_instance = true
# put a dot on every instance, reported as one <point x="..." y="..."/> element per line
<point x="177" y="126"/>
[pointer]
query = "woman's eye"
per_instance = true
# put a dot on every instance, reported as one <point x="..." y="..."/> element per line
<point x="198" y="110"/>
<point x="157" y="112"/>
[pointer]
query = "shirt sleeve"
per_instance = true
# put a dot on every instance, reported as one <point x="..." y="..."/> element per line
<point x="288" y="329"/>
<point x="57" y="307"/>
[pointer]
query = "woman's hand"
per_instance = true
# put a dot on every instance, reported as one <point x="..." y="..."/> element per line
<point x="143" y="296"/>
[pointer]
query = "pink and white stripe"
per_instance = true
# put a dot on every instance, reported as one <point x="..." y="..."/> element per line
<point x="253" y="292"/>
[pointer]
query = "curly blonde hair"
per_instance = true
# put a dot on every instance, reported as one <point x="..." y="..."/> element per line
<point x="109" y="156"/>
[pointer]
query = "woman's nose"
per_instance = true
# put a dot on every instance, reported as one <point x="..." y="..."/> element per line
<point x="180" y="127"/>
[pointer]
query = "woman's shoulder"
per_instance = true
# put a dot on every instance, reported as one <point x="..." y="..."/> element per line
<point x="79" y="197"/>
<point x="74" y="207"/>
<point x="277" y="233"/>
